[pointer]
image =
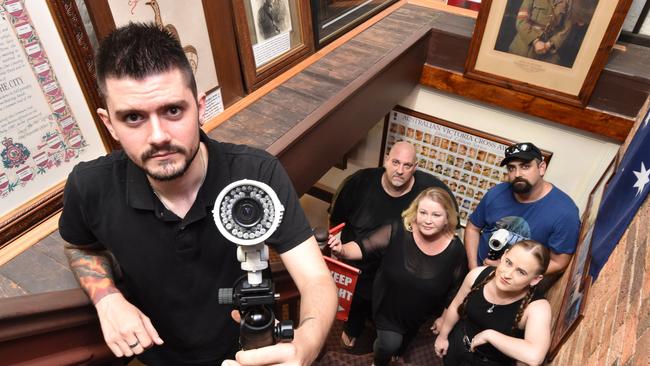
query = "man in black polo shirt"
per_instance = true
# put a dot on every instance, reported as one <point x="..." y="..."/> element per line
<point x="149" y="206"/>
<point x="366" y="200"/>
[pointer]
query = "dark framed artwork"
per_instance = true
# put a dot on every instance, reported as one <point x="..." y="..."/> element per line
<point x="553" y="49"/>
<point x="574" y="299"/>
<point x="272" y="35"/>
<point x="204" y="29"/>
<point x="47" y="121"/>
<point x="465" y="159"/>
<point x="334" y="18"/>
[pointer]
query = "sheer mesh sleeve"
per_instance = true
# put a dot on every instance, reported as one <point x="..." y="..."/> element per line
<point x="460" y="271"/>
<point x="374" y="245"/>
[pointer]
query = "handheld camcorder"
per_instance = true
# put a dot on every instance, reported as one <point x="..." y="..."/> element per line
<point x="498" y="243"/>
<point x="248" y="212"/>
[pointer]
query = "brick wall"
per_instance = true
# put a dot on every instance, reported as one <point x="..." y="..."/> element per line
<point x="616" y="327"/>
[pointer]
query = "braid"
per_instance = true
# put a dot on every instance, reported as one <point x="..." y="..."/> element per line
<point x="524" y="303"/>
<point x="461" y="307"/>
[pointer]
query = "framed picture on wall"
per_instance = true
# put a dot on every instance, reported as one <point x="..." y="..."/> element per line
<point x="209" y="45"/>
<point x="47" y="118"/>
<point x="332" y="19"/>
<point x="574" y="299"/>
<point x="465" y="159"/>
<point x="272" y="35"/>
<point x="553" y="49"/>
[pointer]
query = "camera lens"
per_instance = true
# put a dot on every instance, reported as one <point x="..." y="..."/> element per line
<point x="247" y="212"/>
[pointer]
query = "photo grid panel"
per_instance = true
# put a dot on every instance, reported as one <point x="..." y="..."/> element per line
<point x="466" y="163"/>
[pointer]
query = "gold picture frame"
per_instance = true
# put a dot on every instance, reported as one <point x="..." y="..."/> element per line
<point x="557" y="54"/>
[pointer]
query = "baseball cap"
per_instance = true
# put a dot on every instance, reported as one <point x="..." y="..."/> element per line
<point x="525" y="151"/>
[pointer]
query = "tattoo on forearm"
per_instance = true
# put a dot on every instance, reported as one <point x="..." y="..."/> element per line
<point x="305" y="320"/>
<point x="93" y="271"/>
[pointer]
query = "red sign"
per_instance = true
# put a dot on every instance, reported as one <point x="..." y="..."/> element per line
<point x="345" y="277"/>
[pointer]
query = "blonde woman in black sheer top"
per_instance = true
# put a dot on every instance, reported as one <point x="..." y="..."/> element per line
<point x="422" y="265"/>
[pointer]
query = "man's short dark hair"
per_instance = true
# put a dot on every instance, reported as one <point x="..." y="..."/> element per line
<point x="138" y="50"/>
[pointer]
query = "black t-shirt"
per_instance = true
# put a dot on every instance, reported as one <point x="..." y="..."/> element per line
<point x="500" y="318"/>
<point x="363" y="204"/>
<point x="410" y="285"/>
<point x="172" y="268"/>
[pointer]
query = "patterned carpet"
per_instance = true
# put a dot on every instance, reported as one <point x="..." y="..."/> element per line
<point x="419" y="353"/>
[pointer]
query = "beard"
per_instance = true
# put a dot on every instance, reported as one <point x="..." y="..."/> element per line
<point x="520" y="185"/>
<point x="398" y="181"/>
<point x="166" y="171"/>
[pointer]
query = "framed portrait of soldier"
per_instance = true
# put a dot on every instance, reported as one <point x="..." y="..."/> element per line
<point x="555" y="49"/>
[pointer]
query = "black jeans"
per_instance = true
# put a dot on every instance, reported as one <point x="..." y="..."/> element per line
<point x="360" y="310"/>
<point x="459" y="355"/>
<point x="389" y="344"/>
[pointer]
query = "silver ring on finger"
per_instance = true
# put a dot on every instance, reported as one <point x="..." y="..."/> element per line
<point x="134" y="344"/>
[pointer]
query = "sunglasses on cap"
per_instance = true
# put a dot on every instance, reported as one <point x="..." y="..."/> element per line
<point x="524" y="146"/>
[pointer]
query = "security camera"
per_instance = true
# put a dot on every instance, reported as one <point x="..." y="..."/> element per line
<point x="499" y="241"/>
<point x="247" y="212"/>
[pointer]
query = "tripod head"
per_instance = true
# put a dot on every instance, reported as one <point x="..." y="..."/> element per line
<point x="255" y="304"/>
<point x="248" y="212"/>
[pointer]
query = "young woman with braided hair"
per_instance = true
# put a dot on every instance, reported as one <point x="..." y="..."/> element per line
<point x="500" y="318"/>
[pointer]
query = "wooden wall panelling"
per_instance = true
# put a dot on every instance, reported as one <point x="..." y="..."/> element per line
<point x="348" y="123"/>
<point x="617" y="98"/>
<point x="219" y="21"/>
<point x="357" y="84"/>
<point x="607" y="125"/>
<point x="623" y="85"/>
<point x="45" y="326"/>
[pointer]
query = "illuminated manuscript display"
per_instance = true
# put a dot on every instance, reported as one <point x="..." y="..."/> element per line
<point x="41" y="136"/>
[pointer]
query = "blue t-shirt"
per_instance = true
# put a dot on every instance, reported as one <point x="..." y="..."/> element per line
<point x="553" y="220"/>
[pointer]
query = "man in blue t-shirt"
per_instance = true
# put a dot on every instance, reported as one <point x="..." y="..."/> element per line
<point x="527" y="207"/>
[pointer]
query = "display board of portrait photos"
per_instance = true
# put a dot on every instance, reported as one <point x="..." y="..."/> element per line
<point x="466" y="160"/>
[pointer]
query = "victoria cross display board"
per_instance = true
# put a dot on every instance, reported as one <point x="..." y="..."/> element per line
<point x="466" y="160"/>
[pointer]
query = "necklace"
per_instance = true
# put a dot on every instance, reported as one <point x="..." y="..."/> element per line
<point x="490" y="310"/>
<point x="162" y="199"/>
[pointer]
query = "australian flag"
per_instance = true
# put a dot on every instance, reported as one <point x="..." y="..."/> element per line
<point x="622" y="198"/>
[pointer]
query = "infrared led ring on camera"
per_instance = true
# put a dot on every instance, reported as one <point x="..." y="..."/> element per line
<point x="247" y="212"/>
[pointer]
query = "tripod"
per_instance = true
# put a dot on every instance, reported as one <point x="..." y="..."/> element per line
<point x="255" y="304"/>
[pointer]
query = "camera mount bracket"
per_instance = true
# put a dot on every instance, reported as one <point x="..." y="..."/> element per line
<point x="253" y="260"/>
